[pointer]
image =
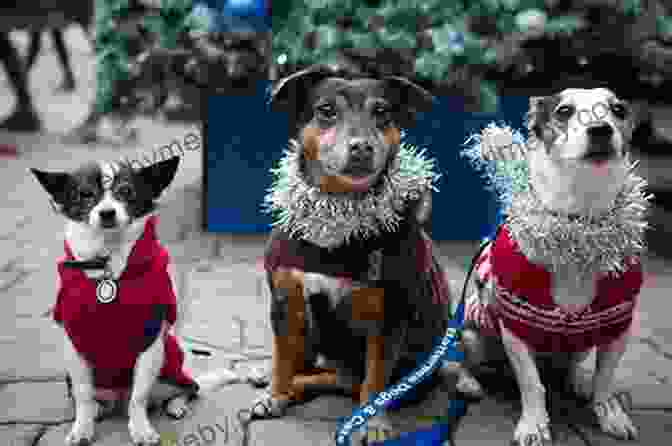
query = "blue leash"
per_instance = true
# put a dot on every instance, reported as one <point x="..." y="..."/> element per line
<point x="445" y="351"/>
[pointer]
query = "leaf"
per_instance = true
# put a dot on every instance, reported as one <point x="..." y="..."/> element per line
<point x="564" y="25"/>
<point x="489" y="98"/>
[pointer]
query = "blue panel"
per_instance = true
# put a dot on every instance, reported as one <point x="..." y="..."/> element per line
<point x="245" y="139"/>
<point x="238" y="15"/>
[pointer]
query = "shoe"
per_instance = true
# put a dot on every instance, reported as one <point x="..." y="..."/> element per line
<point x="22" y="121"/>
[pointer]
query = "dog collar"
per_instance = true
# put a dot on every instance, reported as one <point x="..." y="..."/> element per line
<point x="98" y="262"/>
<point x="331" y="220"/>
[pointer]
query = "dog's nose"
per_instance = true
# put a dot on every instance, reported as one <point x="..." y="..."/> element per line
<point x="600" y="131"/>
<point x="107" y="214"/>
<point x="361" y="149"/>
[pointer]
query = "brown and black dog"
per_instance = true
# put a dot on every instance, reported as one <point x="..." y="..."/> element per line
<point x="359" y="312"/>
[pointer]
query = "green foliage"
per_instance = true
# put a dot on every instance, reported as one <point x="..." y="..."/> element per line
<point x="111" y="54"/>
<point x="173" y="19"/>
<point x="308" y="31"/>
<point x="313" y="30"/>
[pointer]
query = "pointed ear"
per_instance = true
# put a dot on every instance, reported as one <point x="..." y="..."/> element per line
<point x="292" y="93"/>
<point x="159" y="175"/>
<point x="410" y="99"/>
<point x="293" y="90"/>
<point x="55" y="183"/>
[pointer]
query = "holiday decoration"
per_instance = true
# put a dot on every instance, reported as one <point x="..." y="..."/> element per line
<point x="330" y="220"/>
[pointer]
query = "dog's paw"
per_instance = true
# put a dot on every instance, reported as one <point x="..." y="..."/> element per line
<point x="177" y="407"/>
<point x="533" y="430"/>
<point x="83" y="429"/>
<point x="141" y="431"/>
<point x="377" y="430"/>
<point x="81" y="434"/>
<point x="265" y="406"/>
<point x="613" y="417"/>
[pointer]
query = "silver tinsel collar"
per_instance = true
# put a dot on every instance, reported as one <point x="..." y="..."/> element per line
<point x="330" y="220"/>
<point x="598" y="244"/>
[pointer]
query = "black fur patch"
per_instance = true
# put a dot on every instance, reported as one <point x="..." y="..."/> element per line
<point x="295" y="94"/>
<point x="539" y="118"/>
<point x="77" y="193"/>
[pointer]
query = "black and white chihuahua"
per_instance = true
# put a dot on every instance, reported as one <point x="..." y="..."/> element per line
<point x="116" y="300"/>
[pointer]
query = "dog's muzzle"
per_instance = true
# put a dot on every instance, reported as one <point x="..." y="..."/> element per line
<point x="600" y="142"/>
<point x="360" y="159"/>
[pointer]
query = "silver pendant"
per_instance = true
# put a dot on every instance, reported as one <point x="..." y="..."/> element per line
<point x="106" y="291"/>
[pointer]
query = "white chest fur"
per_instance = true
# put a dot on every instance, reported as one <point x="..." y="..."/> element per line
<point x="86" y="244"/>
<point x="571" y="290"/>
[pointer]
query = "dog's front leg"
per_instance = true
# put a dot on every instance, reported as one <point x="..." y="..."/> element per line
<point x="611" y="414"/>
<point x="368" y="308"/>
<point x="288" y="347"/>
<point x="532" y="428"/>
<point x="147" y="369"/>
<point x="83" y="392"/>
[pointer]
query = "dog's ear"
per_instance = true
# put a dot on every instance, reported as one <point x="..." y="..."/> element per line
<point x="539" y="115"/>
<point x="409" y="98"/>
<point x="158" y="176"/>
<point x="55" y="183"/>
<point x="291" y="94"/>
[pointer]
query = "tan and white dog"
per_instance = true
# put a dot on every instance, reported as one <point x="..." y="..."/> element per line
<point x="116" y="301"/>
<point x="577" y="153"/>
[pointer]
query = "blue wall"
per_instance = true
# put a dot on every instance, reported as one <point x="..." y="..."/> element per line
<point x="244" y="140"/>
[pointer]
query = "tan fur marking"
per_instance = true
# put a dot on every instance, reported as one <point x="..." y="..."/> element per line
<point x="392" y="136"/>
<point x="311" y="143"/>
<point x="368" y="304"/>
<point x="375" y="368"/>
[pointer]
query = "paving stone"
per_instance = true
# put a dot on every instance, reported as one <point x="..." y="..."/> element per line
<point x="34" y="347"/>
<point x="224" y="298"/>
<point x="492" y="422"/>
<point x="20" y="434"/>
<point x="35" y="292"/>
<point x="35" y="402"/>
<point x="291" y="431"/>
<point x="213" y="412"/>
<point x="8" y="253"/>
<point x="10" y="278"/>
<point x="324" y="407"/>
<point x="181" y="212"/>
<point x="655" y="428"/>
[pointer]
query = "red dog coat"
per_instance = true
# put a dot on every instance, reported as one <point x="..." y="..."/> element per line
<point x="111" y="336"/>
<point x="525" y="305"/>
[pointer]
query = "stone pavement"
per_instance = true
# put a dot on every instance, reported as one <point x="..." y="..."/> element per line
<point x="227" y="316"/>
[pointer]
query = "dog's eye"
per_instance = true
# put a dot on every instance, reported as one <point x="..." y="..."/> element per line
<point x="619" y="110"/>
<point x="125" y="192"/>
<point x="564" y="112"/>
<point x="380" y="111"/>
<point x="81" y="194"/>
<point x="326" y="111"/>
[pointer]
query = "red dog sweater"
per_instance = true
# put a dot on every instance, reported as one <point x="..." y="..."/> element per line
<point x="111" y="336"/>
<point x="525" y="305"/>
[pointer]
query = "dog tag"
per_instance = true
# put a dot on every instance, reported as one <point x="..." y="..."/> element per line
<point x="106" y="291"/>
